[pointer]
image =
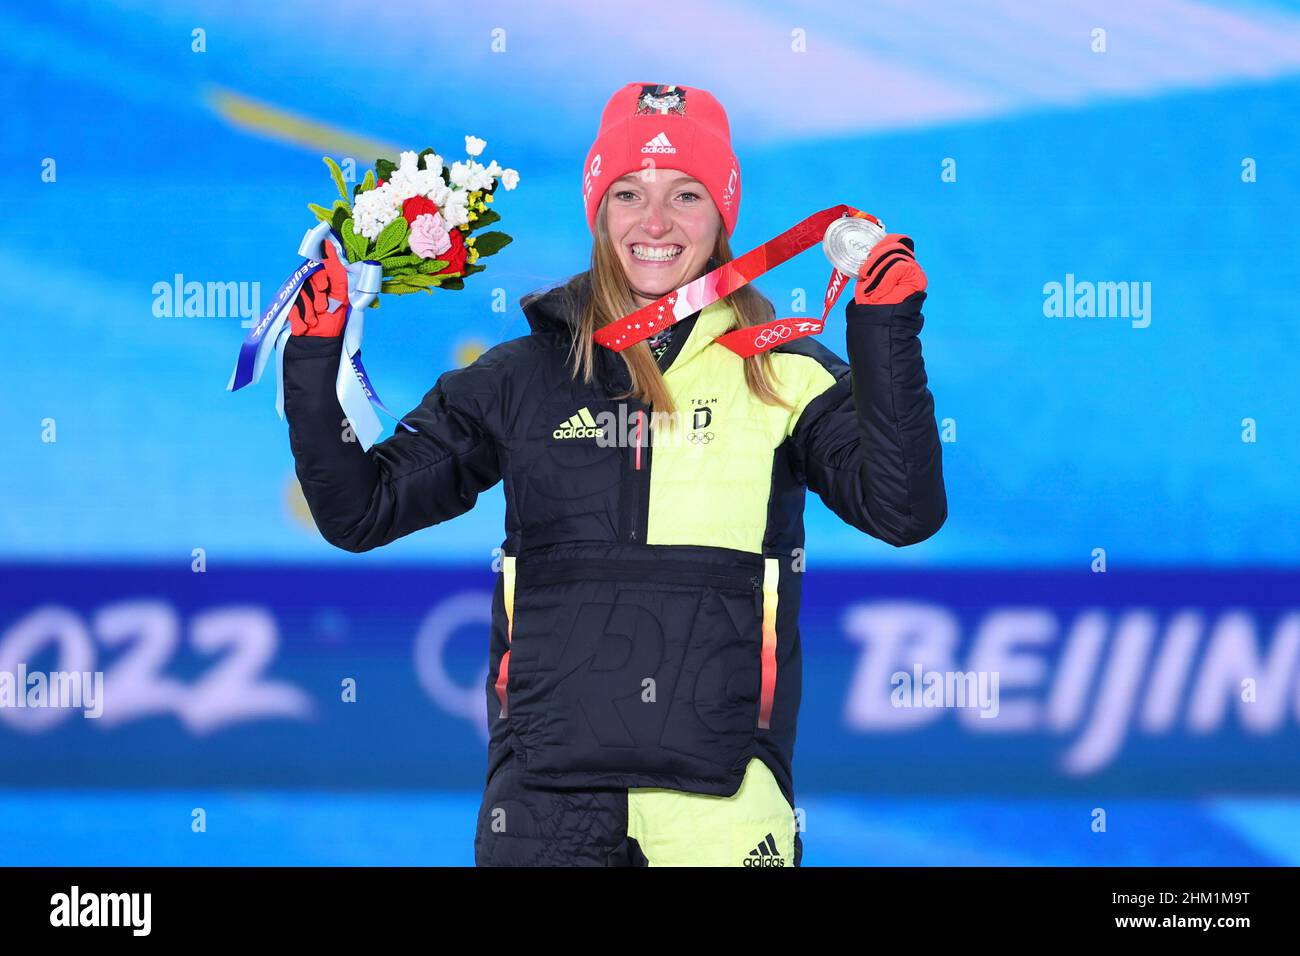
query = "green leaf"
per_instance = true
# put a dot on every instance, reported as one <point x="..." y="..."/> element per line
<point x="392" y="238"/>
<point x="453" y="284"/>
<point x="484" y="219"/>
<point x="420" y="280"/>
<point x="434" y="268"/>
<point x="340" y="207"/>
<point x="355" y="246"/>
<point x="490" y="243"/>
<point x="337" y="175"/>
<point x="384" y="169"/>
<point x="432" y="265"/>
<point x="341" y="215"/>
<point x="366" y="184"/>
<point x="469" y="270"/>
<point x="398" y="288"/>
<point x="394" y="262"/>
<point x="323" y="214"/>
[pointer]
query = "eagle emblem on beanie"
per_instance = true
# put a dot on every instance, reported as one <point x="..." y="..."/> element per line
<point x="656" y="98"/>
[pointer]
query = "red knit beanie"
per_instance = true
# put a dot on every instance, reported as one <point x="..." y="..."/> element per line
<point x="679" y="127"/>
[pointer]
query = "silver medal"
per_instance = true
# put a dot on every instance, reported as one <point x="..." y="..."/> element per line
<point x="849" y="241"/>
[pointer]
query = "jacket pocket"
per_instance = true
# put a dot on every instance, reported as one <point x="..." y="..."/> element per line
<point x="636" y="673"/>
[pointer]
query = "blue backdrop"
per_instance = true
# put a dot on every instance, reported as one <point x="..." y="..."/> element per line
<point x="1087" y="144"/>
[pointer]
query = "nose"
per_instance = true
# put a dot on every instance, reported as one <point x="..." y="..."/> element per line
<point x="656" y="222"/>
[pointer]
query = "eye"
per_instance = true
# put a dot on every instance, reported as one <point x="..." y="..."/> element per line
<point x="624" y="192"/>
<point x="694" y="195"/>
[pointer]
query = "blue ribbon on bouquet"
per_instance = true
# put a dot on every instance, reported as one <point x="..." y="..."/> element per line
<point x="356" y="393"/>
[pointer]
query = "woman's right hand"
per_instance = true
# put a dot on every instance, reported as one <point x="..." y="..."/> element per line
<point x="310" y="313"/>
<point x="890" y="274"/>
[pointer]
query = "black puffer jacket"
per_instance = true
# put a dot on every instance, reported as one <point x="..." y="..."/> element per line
<point x="645" y="625"/>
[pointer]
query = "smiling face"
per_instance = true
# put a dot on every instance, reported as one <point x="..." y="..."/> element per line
<point x="663" y="228"/>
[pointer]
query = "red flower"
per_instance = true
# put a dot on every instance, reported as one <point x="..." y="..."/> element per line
<point x="418" y="206"/>
<point x="455" y="256"/>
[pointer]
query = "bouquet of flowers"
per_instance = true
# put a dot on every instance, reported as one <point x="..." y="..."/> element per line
<point x="415" y="218"/>
<point x="406" y="227"/>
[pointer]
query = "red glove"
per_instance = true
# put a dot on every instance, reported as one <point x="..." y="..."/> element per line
<point x="890" y="273"/>
<point x="310" y="313"/>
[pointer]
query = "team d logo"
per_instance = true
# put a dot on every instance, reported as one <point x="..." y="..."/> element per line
<point x="701" y="433"/>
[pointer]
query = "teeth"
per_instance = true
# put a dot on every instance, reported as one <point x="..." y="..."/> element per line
<point x="651" y="254"/>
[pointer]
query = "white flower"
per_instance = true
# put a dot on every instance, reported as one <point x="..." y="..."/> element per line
<point x="474" y="145"/>
<point x="433" y="163"/>
<point x="470" y="176"/>
<point x="438" y="192"/>
<point x="485" y="179"/>
<point x="460" y="174"/>
<point x="430" y="182"/>
<point x="455" y="210"/>
<point x="493" y="170"/>
<point x="375" y="209"/>
<point x="510" y="178"/>
<point x="409" y="180"/>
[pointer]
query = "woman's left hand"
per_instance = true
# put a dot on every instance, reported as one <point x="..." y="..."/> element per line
<point x="890" y="274"/>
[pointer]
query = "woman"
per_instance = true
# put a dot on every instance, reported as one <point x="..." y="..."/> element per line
<point x="644" y="669"/>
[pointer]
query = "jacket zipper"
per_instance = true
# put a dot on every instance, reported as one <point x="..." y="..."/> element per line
<point x="639" y="483"/>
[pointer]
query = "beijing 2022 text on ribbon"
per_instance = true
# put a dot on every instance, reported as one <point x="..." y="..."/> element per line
<point x="355" y="391"/>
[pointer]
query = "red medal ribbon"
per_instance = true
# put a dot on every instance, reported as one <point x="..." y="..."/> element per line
<point x="726" y="279"/>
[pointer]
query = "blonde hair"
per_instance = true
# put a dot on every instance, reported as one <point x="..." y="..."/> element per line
<point x="611" y="298"/>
